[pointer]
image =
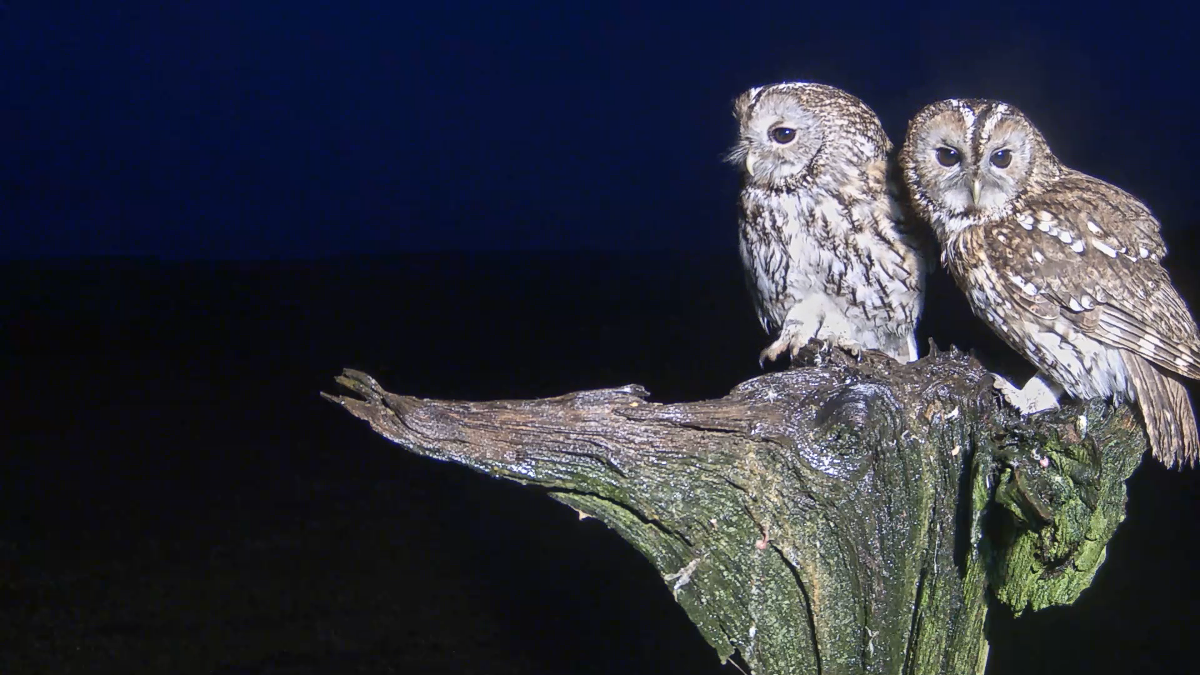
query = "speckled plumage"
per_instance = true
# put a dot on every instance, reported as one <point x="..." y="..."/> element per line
<point x="825" y="252"/>
<point x="1063" y="266"/>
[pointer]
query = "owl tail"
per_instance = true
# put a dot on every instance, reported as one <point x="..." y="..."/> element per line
<point x="1167" y="411"/>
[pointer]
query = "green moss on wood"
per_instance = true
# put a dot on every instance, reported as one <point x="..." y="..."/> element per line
<point x="1060" y="495"/>
<point x="842" y="518"/>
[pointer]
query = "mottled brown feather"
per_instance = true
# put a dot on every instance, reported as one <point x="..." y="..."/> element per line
<point x="1167" y="411"/>
<point x="1134" y="304"/>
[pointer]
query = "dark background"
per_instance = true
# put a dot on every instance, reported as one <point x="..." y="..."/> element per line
<point x="254" y="129"/>
<point x="208" y="209"/>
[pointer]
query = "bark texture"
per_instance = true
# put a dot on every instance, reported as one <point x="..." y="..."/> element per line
<point x="844" y="517"/>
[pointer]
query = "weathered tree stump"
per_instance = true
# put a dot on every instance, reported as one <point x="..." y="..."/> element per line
<point x="840" y="518"/>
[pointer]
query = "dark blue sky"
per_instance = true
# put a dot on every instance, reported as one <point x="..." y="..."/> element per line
<point x="250" y="129"/>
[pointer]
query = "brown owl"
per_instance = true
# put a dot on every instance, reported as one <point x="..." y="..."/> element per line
<point x="1063" y="266"/>
<point x="822" y="242"/>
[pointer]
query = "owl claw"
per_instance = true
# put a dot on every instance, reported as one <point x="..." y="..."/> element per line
<point x="774" y="350"/>
<point x="794" y="345"/>
<point x="853" y="348"/>
<point x="794" y="349"/>
<point x="1037" y="394"/>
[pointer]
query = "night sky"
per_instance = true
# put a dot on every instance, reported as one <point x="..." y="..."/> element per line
<point x="249" y="129"/>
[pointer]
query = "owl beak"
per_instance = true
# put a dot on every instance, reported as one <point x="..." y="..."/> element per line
<point x="750" y="165"/>
<point x="975" y="186"/>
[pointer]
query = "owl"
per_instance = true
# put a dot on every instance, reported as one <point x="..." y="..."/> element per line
<point x="820" y="234"/>
<point x="1065" y="267"/>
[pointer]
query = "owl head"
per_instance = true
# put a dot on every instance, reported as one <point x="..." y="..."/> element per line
<point x="794" y="134"/>
<point x="971" y="161"/>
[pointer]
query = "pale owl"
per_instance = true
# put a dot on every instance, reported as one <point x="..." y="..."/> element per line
<point x="821" y="237"/>
<point x="1063" y="266"/>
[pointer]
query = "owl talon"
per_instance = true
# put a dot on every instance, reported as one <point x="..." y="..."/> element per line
<point x="794" y="349"/>
<point x="853" y="348"/>
<point x="772" y="352"/>
<point x="1037" y="394"/>
<point x="792" y="338"/>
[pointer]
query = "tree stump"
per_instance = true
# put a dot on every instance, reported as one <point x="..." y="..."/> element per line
<point x="846" y="516"/>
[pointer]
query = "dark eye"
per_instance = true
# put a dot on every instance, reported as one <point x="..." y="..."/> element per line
<point x="948" y="156"/>
<point x="783" y="135"/>
<point x="1001" y="159"/>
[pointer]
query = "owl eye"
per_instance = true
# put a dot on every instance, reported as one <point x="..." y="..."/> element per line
<point x="783" y="135"/>
<point x="948" y="156"/>
<point x="1001" y="159"/>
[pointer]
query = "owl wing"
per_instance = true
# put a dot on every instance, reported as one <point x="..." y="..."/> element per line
<point x="764" y="276"/>
<point x="1131" y="223"/>
<point x="1088" y="252"/>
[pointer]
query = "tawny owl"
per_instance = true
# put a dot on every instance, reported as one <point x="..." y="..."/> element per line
<point x="821" y="240"/>
<point x="1063" y="266"/>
